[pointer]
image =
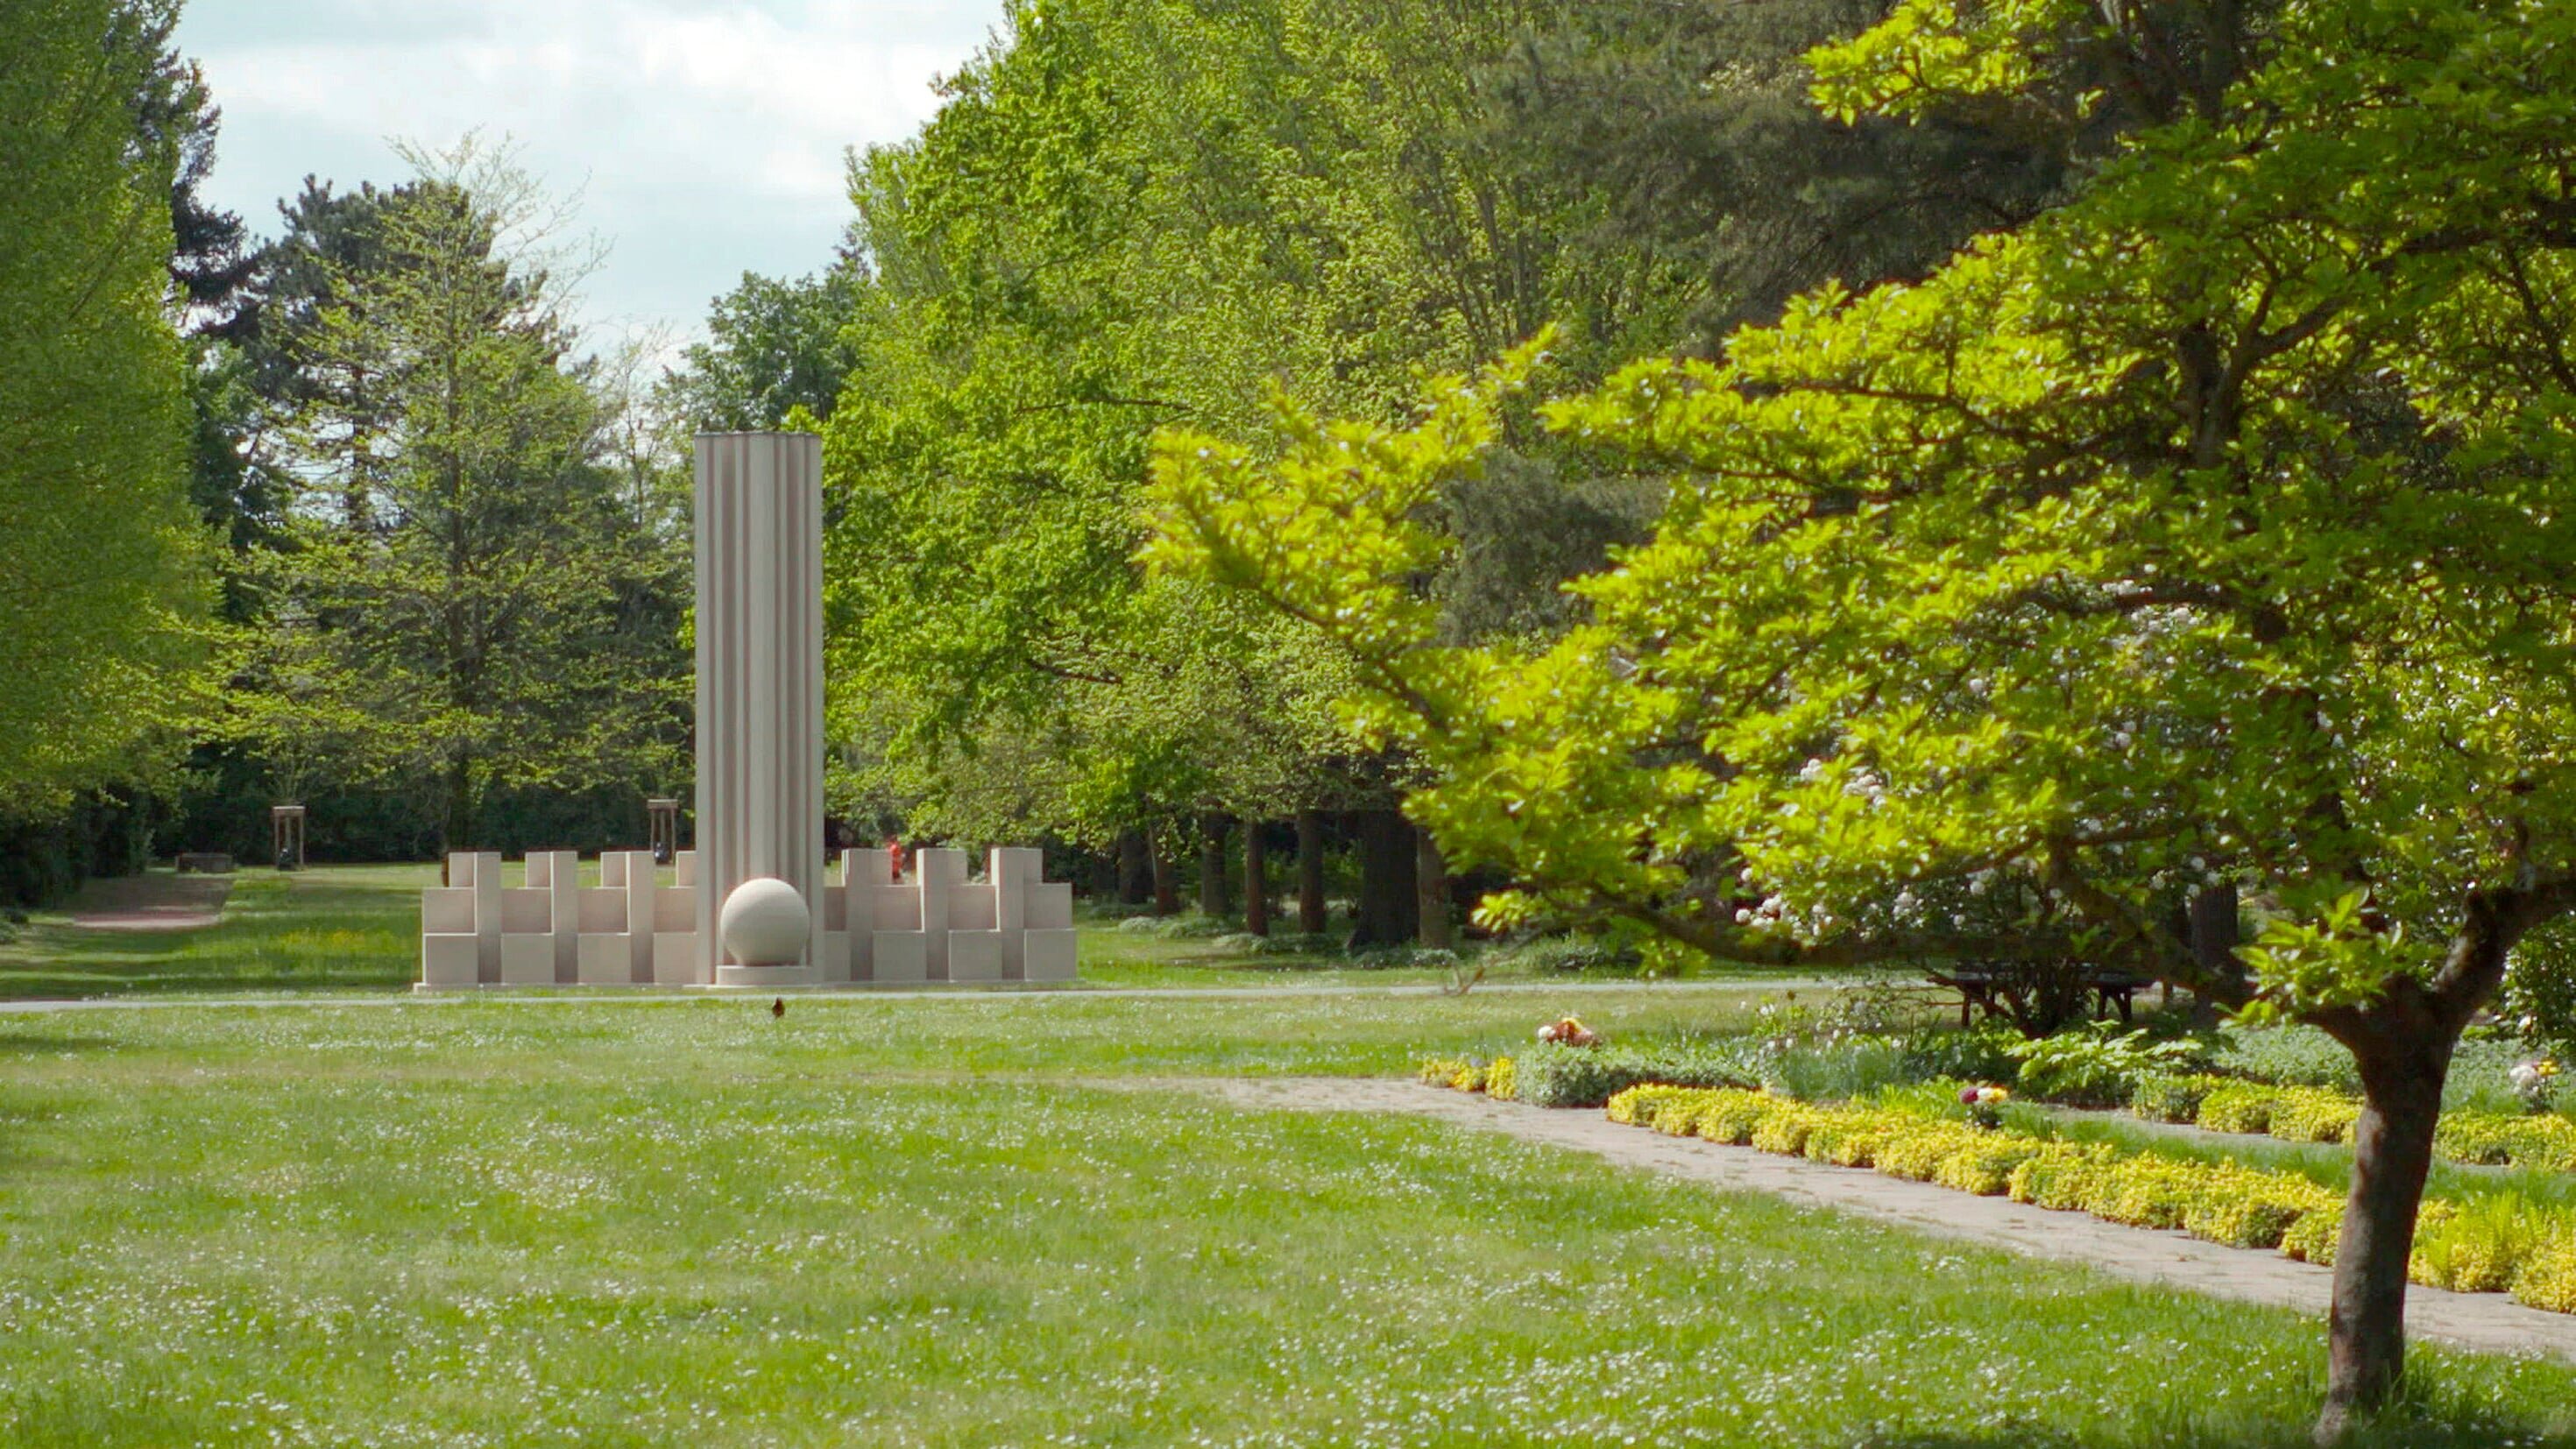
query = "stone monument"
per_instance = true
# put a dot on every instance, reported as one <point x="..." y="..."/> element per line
<point x="760" y="694"/>
<point x="751" y="907"/>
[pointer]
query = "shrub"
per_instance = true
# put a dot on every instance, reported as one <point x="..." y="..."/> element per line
<point x="1549" y="1075"/>
<point x="2246" y="1209"/>
<point x="2060" y="1176"/>
<point x="2500" y="1242"/>
<point x="1982" y="1053"/>
<point x="1501" y="1079"/>
<point x="2497" y="1137"/>
<point x="1784" y="1129"/>
<point x="1849" y="1139"/>
<point x="1572" y="955"/>
<point x="1937" y="1098"/>
<point x="1470" y="1077"/>
<point x="1642" y="1106"/>
<point x="1840" y="1070"/>
<point x="2313" y="1114"/>
<point x="2239" y="1107"/>
<point x="2288" y="1056"/>
<point x="2547" y="1278"/>
<point x="2480" y="1247"/>
<point x="2146" y="1191"/>
<point x="1729" y="1116"/>
<point x="2164" y="1098"/>
<point x="1914" y="1151"/>
<point x="2097" y="1065"/>
<point x="1434" y="1071"/>
<point x="1985" y="1164"/>
<point x="2312" y="1238"/>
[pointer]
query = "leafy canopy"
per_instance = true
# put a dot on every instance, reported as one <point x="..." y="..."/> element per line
<point x="2216" y="524"/>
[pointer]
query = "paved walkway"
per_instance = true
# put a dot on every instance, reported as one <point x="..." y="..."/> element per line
<point x="151" y="903"/>
<point x="2487" y="1322"/>
<point x="659" y="996"/>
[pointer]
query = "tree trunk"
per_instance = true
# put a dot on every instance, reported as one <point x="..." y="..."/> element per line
<point x="1387" y="904"/>
<point x="1135" y="869"/>
<point x="2403" y="1063"/>
<point x="1256" y="879"/>
<point x="1310" y="873"/>
<point x="1212" y="866"/>
<point x="2213" y="935"/>
<point x="1167" y="887"/>
<point x="1431" y="890"/>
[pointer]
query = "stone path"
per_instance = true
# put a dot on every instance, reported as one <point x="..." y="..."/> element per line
<point x="151" y="903"/>
<point x="2487" y="1322"/>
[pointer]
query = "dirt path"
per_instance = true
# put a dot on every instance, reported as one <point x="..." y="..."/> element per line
<point x="152" y="903"/>
<point x="2487" y="1322"/>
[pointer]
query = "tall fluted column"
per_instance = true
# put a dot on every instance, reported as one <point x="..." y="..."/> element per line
<point x="760" y="683"/>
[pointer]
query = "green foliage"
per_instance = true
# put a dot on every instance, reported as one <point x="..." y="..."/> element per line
<point x="1981" y="1053"/>
<point x="2213" y="526"/>
<point x="2495" y="1242"/>
<point x="467" y="598"/>
<point x="2099" y="1065"/>
<point x="773" y="349"/>
<point x="2507" y="1139"/>
<point x="2239" y="1107"/>
<point x="2483" y="1247"/>
<point x="1549" y="1075"/>
<point x="2161" y="1098"/>
<point x="1841" y="1070"/>
<point x="104" y="578"/>
<point x="2310" y="1114"/>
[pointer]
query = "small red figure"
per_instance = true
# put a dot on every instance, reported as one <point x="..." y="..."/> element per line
<point x="894" y="857"/>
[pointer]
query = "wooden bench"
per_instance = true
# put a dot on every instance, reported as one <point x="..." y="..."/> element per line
<point x="1980" y="986"/>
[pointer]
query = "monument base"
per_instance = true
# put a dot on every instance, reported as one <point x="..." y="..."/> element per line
<point x="764" y="978"/>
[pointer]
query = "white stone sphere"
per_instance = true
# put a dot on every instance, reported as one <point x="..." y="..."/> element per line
<point x="764" y="923"/>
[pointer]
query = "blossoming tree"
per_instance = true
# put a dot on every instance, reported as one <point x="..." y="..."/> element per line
<point x="2218" y="526"/>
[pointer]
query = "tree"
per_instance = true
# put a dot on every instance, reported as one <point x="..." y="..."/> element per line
<point x="102" y="570"/>
<point x="772" y="347"/>
<point x="2217" y="525"/>
<point x="1127" y="214"/>
<point x="469" y="599"/>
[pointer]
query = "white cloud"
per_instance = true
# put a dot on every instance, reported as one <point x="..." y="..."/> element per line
<point x="707" y="138"/>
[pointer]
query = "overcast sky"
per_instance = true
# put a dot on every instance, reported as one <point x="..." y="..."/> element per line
<point x="705" y="138"/>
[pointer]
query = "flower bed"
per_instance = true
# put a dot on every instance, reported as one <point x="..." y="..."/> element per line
<point x="2321" y="1114"/>
<point x="2503" y="1243"/>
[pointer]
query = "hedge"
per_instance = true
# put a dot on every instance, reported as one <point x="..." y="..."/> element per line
<point x="2321" y="1114"/>
<point x="2504" y="1243"/>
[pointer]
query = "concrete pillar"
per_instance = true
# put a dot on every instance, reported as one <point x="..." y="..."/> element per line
<point x="760" y="682"/>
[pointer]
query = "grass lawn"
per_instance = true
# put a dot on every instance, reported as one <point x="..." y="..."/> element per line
<point x="357" y="929"/>
<point x="337" y="928"/>
<point x="977" y="1220"/>
<point x="946" y="1222"/>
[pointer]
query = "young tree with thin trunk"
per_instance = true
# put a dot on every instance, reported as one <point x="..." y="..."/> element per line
<point x="2216" y="528"/>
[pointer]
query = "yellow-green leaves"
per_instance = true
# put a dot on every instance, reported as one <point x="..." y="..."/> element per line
<point x="1931" y="51"/>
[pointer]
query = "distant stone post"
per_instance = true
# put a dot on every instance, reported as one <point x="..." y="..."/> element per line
<point x="663" y="820"/>
<point x="286" y="836"/>
<point x="760" y="695"/>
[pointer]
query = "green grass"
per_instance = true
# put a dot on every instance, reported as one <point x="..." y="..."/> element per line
<point x="978" y="1219"/>
<point x="945" y="1222"/>
<point x="342" y="928"/>
<point x="357" y="929"/>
